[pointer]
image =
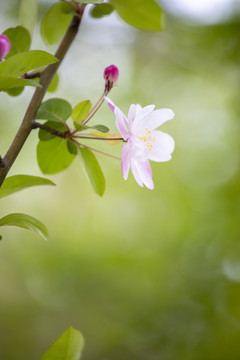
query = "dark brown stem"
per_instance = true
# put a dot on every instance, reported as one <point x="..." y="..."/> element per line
<point x="45" y="80"/>
<point x="64" y="135"/>
<point x="31" y="75"/>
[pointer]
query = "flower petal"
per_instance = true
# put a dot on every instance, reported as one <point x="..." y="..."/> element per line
<point x="140" y="116"/>
<point x="133" y="111"/>
<point x="125" y="161"/>
<point x="157" y="118"/>
<point x="110" y="103"/>
<point x="163" y="146"/>
<point x="136" y="173"/>
<point x="145" y="172"/>
<point x="121" y="123"/>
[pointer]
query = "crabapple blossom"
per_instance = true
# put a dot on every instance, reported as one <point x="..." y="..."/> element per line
<point x="5" y="46"/>
<point x="142" y="141"/>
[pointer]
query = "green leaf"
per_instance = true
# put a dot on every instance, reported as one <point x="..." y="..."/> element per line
<point x="10" y="83"/>
<point x="68" y="347"/>
<point x="20" y="40"/>
<point x="101" y="10"/>
<point x="53" y="155"/>
<point x="142" y="14"/>
<point x="101" y="128"/>
<point x="91" y="1"/>
<point x="44" y="135"/>
<point x="80" y="111"/>
<point x="15" y="91"/>
<point x="16" y="183"/>
<point x="80" y="127"/>
<point x="26" y="222"/>
<point x="54" y="84"/>
<point x="57" y="110"/>
<point x="20" y="63"/>
<point x="56" y="22"/>
<point x="72" y="148"/>
<point x="28" y="13"/>
<point x="93" y="170"/>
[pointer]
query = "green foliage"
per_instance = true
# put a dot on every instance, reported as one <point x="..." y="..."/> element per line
<point x="55" y="22"/>
<point x="101" y="10"/>
<point x="20" y="40"/>
<point x="101" y="128"/>
<point x="54" y="84"/>
<point x="28" y="13"/>
<point x="142" y="14"/>
<point x="53" y="155"/>
<point x="16" y="183"/>
<point x="26" y="61"/>
<point x="57" y="110"/>
<point x="80" y="111"/>
<point x="91" y="1"/>
<point x="10" y="83"/>
<point x="44" y="135"/>
<point x="72" y="148"/>
<point x="26" y="222"/>
<point x="92" y="170"/>
<point x="68" y="347"/>
<point x="81" y="127"/>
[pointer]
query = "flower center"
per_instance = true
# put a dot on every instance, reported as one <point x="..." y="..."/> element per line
<point x="148" y="139"/>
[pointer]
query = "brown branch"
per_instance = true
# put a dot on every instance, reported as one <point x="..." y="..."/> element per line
<point x="45" y="80"/>
<point x="36" y="125"/>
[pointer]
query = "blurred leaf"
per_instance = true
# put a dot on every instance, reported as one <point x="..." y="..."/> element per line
<point x="15" y="91"/>
<point x="101" y="128"/>
<point x="142" y="14"/>
<point x="20" y="40"/>
<point x="80" y="127"/>
<point x="101" y="10"/>
<point x="54" y="84"/>
<point x="80" y="111"/>
<point x="55" y="22"/>
<point x="28" y="13"/>
<point x="72" y="148"/>
<point x="44" y="135"/>
<point x="23" y="62"/>
<point x="93" y="170"/>
<point x="57" y="110"/>
<point x="68" y="347"/>
<point x="53" y="155"/>
<point x="26" y="222"/>
<point x="16" y="183"/>
<point x="91" y="1"/>
<point x="10" y="83"/>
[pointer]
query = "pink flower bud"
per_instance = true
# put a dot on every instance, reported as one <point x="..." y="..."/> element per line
<point x="5" y="46"/>
<point x="110" y="75"/>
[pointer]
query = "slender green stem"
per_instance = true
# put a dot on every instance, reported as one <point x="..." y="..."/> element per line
<point x="45" y="80"/>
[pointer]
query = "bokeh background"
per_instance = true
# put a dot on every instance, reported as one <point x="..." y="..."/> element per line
<point x="145" y="275"/>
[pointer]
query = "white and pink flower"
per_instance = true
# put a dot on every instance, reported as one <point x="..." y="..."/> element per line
<point x="142" y="141"/>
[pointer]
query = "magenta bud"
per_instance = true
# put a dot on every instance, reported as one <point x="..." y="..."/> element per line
<point x="5" y="46"/>
<point x="110" y="74"/>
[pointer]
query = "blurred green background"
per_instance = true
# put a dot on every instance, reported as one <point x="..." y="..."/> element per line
<point x="144" y="275"/>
